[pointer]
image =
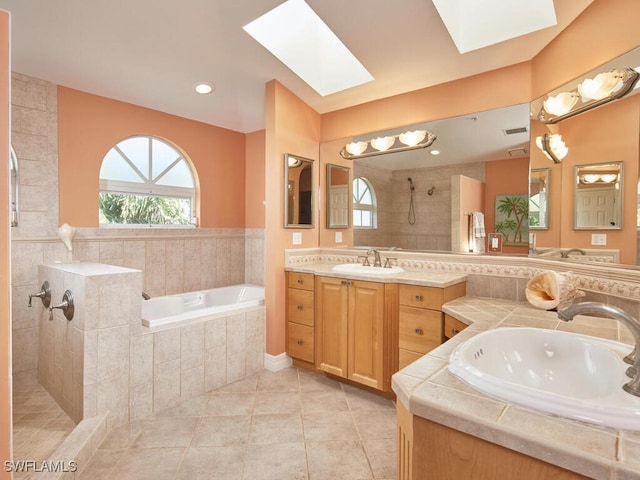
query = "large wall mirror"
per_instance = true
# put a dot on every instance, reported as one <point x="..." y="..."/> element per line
<point x="338" y="196"/>
<point x="410" y="192"/>
<point x="597" y="196"/>
<point x="298" y="195"/>
<point x="589" y="197"/>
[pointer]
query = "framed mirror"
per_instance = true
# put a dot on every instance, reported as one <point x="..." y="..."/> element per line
<point x="298" y="195"/>
<point x="539" y="199"/>
<point x="338" y="196"/>
<point x="597" y="196"/>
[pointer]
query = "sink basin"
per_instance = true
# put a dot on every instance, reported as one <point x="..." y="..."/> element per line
<point x="367" y="269"/>
<point x="566" y="374"/>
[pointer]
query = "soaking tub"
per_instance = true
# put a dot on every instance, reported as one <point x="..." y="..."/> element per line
<point x="200" y="306"/>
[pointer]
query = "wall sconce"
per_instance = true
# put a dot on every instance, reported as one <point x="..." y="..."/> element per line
<point x="592" y="178"/>
<point x="590" y="93"/>
<point x="552" y="146"/>
<point x="409" y="140"/>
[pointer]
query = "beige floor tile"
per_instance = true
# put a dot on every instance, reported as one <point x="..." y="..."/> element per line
<point x="275" y="462"/>
<point x="222" y="431"/>
<point x="276" y="428"/>
<point x="359" y="399"/>
<point x="376" y="424"/>
<point x="207" y="463"/>
<point x="279" y="382"/>
<point x="310" y="381"/>
<point x="320" y="427"/>
<point x="277" y="402"/>
<point x="101" y="465"/>
<point x="382" y="457"/>
<point x="148" y="463"/>
<point x="231" y="404"/>
<point x="247" y="384"/>
<point x="324" y="401"/>
<point x="338" y="460"/>
<point x="166" y="432"/>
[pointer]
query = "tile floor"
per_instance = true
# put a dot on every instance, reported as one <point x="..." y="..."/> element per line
<point x="288" y="425"/>
<point x="39" y="425"/>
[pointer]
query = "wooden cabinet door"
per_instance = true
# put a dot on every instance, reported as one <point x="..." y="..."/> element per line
<point x="331" y="325"/>
<point x="366" y="333"/>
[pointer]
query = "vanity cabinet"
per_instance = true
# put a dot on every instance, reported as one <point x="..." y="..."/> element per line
<point x="421" y="321"/>
<point x="300" y="331"/>
<point x="356" y="330"/>
<point x="452" y="326"/>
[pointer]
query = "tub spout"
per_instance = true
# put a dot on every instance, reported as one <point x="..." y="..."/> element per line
<point x="600" y="309"/>
<point x="145" y="296"/>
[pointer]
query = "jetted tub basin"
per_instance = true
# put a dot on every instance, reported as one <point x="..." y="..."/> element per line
<point x="367" y="269"/>
<point x="566" y="374"/>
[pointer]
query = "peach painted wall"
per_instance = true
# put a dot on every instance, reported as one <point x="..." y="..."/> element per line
<point x="498" y="88"/>
<point x="505" y="177"/>
<point x="254" y="180"/>
<point x="5" y="266"/>
<point x="89" y="125"/>
<point x="607" y="134"/>
<point x="291" y="127"/>
<point x="606" y="29"/>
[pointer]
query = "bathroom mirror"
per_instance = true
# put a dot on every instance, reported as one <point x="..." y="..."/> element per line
<point x="539" y="199"/>
<point x="597" y="196"/>
<point x="13" y="186"/>
<point x="298" y="195"/>
<point x="338" y="196"/>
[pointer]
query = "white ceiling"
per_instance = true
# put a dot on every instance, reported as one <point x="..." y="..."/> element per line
<point x="152" y="52"/>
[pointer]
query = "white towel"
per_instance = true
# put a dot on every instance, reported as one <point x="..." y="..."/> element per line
<point x="478" y="225"/>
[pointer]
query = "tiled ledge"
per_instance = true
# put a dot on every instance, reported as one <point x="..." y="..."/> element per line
<point x="618" y="281"/>
<point x="427" y="389"/>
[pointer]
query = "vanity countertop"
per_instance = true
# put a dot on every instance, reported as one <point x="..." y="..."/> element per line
<point x="427" y="278"/>
<point x="427" y="389"/>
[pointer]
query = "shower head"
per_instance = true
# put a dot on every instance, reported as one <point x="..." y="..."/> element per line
<point x="430" y="191"/>
<point x="410" y="180"/>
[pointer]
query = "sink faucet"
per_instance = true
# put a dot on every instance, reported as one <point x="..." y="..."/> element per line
<point x="376" y="254"/>
<point x="566" y="253"/>
<point x="567" y="314"/>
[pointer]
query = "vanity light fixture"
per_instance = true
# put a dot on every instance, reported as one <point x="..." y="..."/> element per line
<point x="409" y="140"/>
<point x="590" y="93"/>
<point x="552" y="146"/>
<point x="591" y="178"/>
<point x="204" y="88"/>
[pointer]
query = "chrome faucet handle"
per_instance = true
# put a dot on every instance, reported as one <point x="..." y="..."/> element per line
<point x="66" y="306"/>
<point x="365" y="261"/>
<point x="387" y="261"/>
<point x="376" y="257"/>
<point x="44" y="294"/>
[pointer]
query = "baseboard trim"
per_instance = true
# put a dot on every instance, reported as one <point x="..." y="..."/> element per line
<point x="275" y="363"/>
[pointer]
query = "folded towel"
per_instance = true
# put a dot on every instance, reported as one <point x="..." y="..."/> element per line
<point x="478" y="225"/>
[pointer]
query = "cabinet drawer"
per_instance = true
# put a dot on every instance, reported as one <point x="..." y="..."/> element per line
<point x="300" y="306"/>
<point x="420" y="330"/>
<point x="300" y="341"/>
<point x="452" y="326"/>
<point x="406" y="357"/>
<point x="421" y="297"/>
<point x="303" y="281"/>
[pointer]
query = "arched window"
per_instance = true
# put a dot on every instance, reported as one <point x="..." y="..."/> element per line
<point x="364" y="204"/>
<point x="146" y="180"/>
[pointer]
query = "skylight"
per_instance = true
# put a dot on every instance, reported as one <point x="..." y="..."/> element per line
<point x="475" y="24"/>
<point x="294" y="34"/>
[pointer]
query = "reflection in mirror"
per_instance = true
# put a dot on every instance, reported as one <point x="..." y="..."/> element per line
<point x="13" y="187"/>
<point x="298" y="195"/>
<point x="598" y="196"/>
<point x="539" y="199"/>
<point x="338" y="196"/>
<point x="427" y="217"/>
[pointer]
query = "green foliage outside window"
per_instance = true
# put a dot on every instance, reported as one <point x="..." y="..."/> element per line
<point x="143" y="209"/>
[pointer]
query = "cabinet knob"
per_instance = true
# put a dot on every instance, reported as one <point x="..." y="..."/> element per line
<point x="419" y="298"/>
<point x="299" y="342"/>
<point x="419" y="331"/>
<point x="299" y="307"/>
<point x="299" y="281"/>
<point x="454" y="331"/>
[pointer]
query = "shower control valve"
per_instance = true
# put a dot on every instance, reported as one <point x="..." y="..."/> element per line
<point x="44" y="294"/>
<point x="66" y="306"/>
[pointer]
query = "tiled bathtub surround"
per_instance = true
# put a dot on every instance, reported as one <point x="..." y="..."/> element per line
<point x="105" y="361"/>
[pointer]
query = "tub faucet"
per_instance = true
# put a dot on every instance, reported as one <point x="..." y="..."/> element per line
<point x="566" y="253"/>
<point x="567" y="314"/>
<point x="145" y="296"/>
<point x="376" y="254"/>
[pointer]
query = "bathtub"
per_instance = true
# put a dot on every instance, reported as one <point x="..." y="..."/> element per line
<point x="200" y="306"/>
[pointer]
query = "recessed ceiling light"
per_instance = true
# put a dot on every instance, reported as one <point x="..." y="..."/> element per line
<point x="303" y="42"/>
<point x="435" y="152"/>
<point x="204" y="88"/>
<point x="473" y="24"/>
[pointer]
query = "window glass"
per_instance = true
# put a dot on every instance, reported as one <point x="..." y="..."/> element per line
<point x="364" y="204"/>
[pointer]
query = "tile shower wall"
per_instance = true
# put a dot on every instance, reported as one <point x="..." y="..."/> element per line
<point x="173" y="261"/>
<point x="432" y="227"/>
